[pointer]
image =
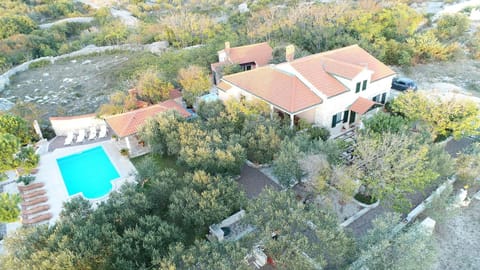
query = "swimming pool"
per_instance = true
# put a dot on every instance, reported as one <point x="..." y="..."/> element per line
<point x="88" y="172"/>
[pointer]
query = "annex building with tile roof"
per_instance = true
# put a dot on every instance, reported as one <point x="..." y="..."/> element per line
<point x="248" y="57"/>
<point x="331" y="89"/>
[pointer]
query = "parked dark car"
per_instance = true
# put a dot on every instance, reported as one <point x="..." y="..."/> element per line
<point x="403" y="84"/>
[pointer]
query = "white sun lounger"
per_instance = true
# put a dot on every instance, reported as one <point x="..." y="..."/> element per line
<point x="69" y="138"/>
<point x="103" y="132"/>
<point x="81" y="135"/>
<point x="93" y="133"/>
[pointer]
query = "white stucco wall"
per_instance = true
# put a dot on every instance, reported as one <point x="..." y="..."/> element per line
<point x="235" y="93"/>
<point x="63" y="125"/>
<point x="343" y="101"/>
<point x="322" y="114"/>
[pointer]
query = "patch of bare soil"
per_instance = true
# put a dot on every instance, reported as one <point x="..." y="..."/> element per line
<point x="458" y="240"/>
<point x="70" y="87"/>
<point x="458" y="76"/>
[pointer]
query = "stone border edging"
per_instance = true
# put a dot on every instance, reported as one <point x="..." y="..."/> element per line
<point x="358" y="215"/>
<point x="257" y="166"/>
<point x="373" y="205"/>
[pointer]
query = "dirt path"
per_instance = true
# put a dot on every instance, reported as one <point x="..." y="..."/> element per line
<point x="457" y="76"/>
<point x="125" y="16"/>
<point x="67" y="20"/>
<point x="458" y="240"/>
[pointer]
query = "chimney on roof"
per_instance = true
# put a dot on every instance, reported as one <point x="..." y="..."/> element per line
<point x="289" y="53"/>
<point x="227" y="45"/>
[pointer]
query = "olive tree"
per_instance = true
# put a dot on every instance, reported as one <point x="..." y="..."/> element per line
<point x="286" y="166"/>
<point x="392" y="166"/>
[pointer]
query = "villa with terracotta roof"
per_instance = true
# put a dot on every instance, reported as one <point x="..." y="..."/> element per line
<point x="126" y="125"/>
<point x="248" y="57"/>
<point x="331" y="89"/>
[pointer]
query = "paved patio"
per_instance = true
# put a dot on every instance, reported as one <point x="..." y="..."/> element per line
<point x="59" y="141"/>
<point x="49" y="173"/>
<point x="254" y="182"/>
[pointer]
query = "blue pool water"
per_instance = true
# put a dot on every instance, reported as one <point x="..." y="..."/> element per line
<point x="88" y="172"/>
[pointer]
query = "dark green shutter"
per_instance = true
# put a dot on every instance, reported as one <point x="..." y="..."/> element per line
<point x="345" y="116"/>
<point x="358" y="87"/>
<point x="364" y="86"/>
<point x="334" y="120"/>
<point x="384" y="97"/>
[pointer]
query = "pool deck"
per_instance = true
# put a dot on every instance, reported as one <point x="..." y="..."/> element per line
<point x="49" y="173"/>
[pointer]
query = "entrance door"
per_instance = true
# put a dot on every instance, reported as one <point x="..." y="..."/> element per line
<point x="352" y="117"/>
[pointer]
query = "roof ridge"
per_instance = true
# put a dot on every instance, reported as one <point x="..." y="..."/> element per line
<point x="246" y="46"/>
<point x="323" y="54"/>
<point x="134" y="111"/>
<point x="343" y="62"/>
<point x="247" y="71"/>
<point x="127" y="125"/>
<point x="249" y="45"/>
<point x="314" y="90"/>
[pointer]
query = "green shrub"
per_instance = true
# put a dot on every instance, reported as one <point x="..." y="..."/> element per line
<point x="318" y="133"/>
<point x="9" y="210"/>
<point x="39" y="64"/>
<point x="231" y="69"/>
<point x="26" y="179"/>
<point x="452" y="26"/>
<point x="366" y="199"/>
<point x="124" y="152"/>
<point x="286" y="166"/>
<point x="303" y="124"/>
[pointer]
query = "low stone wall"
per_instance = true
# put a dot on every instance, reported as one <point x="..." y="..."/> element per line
<point x="156" y="47"/>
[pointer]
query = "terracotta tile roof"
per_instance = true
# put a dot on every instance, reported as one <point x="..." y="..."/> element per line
<point x="175" y="93"/>
<point x="345" y="62"/>
<point x="312" y="70"/>
<point x="287" y="91"/>
<point x="341" y="69"/>
<point x="128" y="123"/>
<point x="223" y="86"/>
<point x="260" y="53"/>
<point x="357" y="56"/>
<point x="361" y="105"/>
<point x="281" y="89"/>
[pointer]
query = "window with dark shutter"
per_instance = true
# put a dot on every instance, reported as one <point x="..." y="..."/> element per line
<point x="337" y="118"/>
<point x="359" y="84"/>
<point x="364" y="86"/>
<point x="384" y="97"/>
<point x="345" y="116"/>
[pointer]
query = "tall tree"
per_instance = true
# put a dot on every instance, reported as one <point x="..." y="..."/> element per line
<point x="18" y="127"/>
<point x="207" y="200"/>
<point x="286" y="166"/>
<point x="152" y="88"/>
<point x="392" y="166"/>
<point x="443" y="117"/>
<point x="194" y="82"/>
<point x="10" y="146"/>
<point x="304" y="236"/>
<point x="467" y="165"/>
<point x="385" y="248"/>
<point x="9" y="210"/>
<point x="261" y="138"/>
